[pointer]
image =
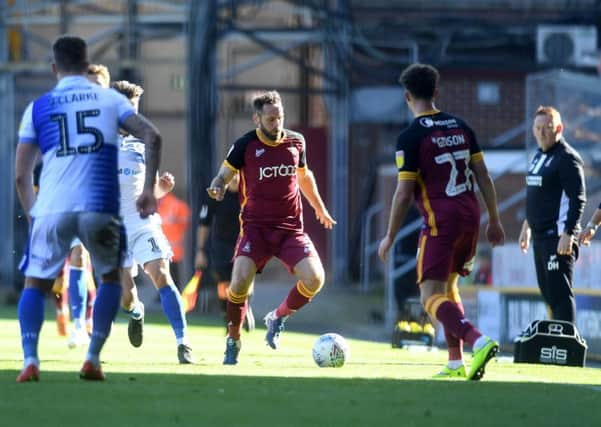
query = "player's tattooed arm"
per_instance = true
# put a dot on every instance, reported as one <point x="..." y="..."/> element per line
<point x="219" y="183"/>
<point x="142" y="128"/>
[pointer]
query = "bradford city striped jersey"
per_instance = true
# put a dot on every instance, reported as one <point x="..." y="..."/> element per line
<point x="269" y="192"/>
<point x="436" y="151"/>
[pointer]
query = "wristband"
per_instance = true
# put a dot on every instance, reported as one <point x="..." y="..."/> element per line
<point x="592" y="226"/>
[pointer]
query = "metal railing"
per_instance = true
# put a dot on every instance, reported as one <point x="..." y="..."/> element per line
<point x="393" y="273"/>
<point x="368" y="247"/>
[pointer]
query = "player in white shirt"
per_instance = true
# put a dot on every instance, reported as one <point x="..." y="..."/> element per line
<point x="146" y="243"/>
<point x="75" y="129"/>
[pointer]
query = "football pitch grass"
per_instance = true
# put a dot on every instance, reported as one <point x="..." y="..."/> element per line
<point x="380" y="386"/>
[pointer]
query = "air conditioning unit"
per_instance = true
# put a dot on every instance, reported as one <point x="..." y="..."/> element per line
<point x="561" y="45"/>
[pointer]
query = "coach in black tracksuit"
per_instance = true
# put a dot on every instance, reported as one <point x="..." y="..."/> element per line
<point x="555" y="200"/>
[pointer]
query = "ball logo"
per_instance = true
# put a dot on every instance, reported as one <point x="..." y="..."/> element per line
<point x="426" y="122"/>
<point x="337" y="355"/>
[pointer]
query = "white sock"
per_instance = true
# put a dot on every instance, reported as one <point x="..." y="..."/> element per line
<point x="480" y="342"/>
<point x="31" y="361"/>
<point x="182" y="340"/>
<point x="138" y="311"/>
<point x="455" y="364"/>
<point x="94" y="359"/>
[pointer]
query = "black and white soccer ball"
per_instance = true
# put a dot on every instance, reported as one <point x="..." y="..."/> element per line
<point x="331" y="351"/>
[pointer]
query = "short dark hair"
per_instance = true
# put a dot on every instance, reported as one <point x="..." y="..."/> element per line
<point x="421" y="80"/>
<point x="70" y="54"/>
<point x="130" y="90"/>
<point x="271" y="97"/>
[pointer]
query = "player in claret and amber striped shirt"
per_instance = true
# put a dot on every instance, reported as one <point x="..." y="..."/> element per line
<point x="438" y="158"/>
<point x="273" y="172"/>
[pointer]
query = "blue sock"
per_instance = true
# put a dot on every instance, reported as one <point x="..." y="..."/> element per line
<point x="174" y="309"/>
<point x="31" y="317"/>
<point x="78" y="296"/>
<point x="105" y="310"/>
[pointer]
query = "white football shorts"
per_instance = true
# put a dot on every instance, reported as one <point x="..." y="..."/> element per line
<point x="146" y="244"/>
<point x="51" y="237"/>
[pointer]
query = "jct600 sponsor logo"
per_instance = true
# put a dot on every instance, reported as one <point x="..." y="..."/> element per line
<point x="276" y="171"/>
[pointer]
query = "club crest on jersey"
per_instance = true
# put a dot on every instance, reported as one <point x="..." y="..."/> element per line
<point x="259" y="152"/>
<point x="246" y="247"/>
<point x="400" y="159"/>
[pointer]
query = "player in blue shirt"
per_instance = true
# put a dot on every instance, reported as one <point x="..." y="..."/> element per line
<point x="74" y="127"/>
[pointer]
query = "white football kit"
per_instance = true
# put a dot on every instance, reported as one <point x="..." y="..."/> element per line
<point x="75" y="126"/>
<point x="145" y="238"/>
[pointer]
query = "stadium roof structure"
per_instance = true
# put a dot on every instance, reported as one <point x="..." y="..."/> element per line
<point x="475" y="33"/>
<point x="478" y="5"/>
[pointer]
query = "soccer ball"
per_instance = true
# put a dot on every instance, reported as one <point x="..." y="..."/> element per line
<point x="331" y="351"/>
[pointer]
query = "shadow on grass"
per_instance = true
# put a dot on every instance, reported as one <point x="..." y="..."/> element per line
<point x="148" y="399"/>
